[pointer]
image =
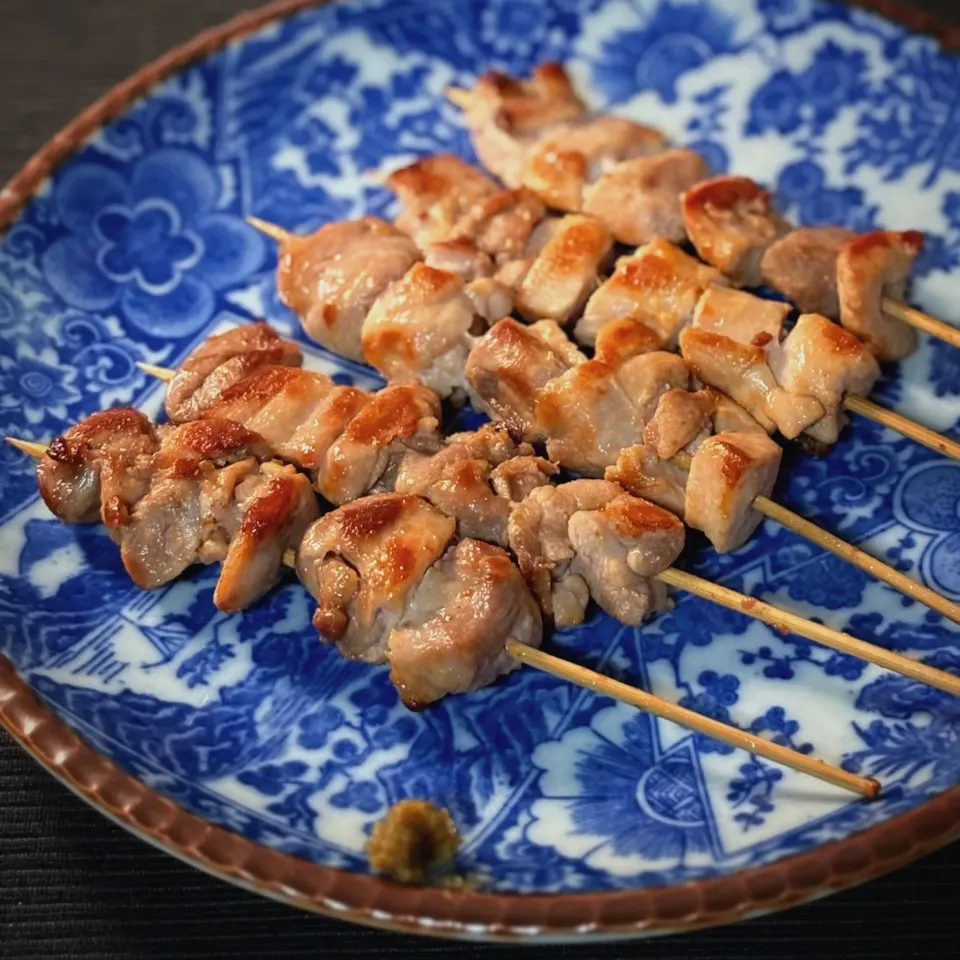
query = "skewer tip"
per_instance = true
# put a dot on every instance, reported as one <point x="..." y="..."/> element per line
<point x="161" y="373"/>
<point x="271" y="230"/>
<point x="35" y="450"/>
<point x="458" y="97"/>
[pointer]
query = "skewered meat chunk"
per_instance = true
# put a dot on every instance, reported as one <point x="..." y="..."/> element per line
<point x="564" y="271"/>
<point x="509" y="365"/>
<point x="871" y="267"/>
<point x="821" y="360"/>
<point x="743" y="372"/>
<point x="197" y="493"/>
<point x="446" y="199"/>
<point x="619" y="340"/>
<point x="639" y="200"/>
<point x="459" y="479"/>
<point x="728" y="471"/>
<point x="108" y="455"/>
<point x="220" y="361"/>
<point x="561" y="166"/>
<point x="361" y="563"/>
<point x="506" y="116"/>
<point x="741" y="316"/>
<point x="731" y="221"/>
<point x="453" y="636"/>
<point x="658" y="285"/>
<point x="397" y="420"/>
<point x="641" y="472"/>
<point x="419" y="329"/>
<point x="803" y="266"/>
<point x="681" y="416"/>
<point x="332" y="278"/>
<point x="588" y="536"/>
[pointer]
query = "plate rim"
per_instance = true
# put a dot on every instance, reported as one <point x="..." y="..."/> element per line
<point x="377" y="901"/>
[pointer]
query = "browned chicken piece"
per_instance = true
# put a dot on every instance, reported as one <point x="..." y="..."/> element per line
<point x="507" y="368"/>
<point x="731" y="221"/>
<point x="108" y="455"/>
<point x="743" y="372"/>
<point x="446" y="199"/>
<point x="398" y="419"/>
<point x="461" y="257"/>
<point x="515" y="479"/>
<point x="803" y="266"/>
<point x="641" y="472"/>
<point x="588" y="537"/>
<point x="729" y="416"/>
<point x="565" y="270"/>
<point x="361" y="563"/>
<point x="728" y="471"/>
<point x="648" y="376"/>
<point x="639" y="200"/>
<point x="274" y="520"/>
<point x="822" y="360"/>
<point x="220" y="361"/>
<point x="742" y="317"/>
<point x="333" y="277"/>
<point x="560" y="166"/>
<point x="505" y="116"/>
<point x="459" y="480"/>
<point x="587" y="417"/>
<point x="658" y="285"/>
<point x="420" y="329"/>
<point x="619" y="340"/>
<point x="869" y="268"/>
<point x="454" y="633"/>
<point x="681" y="416"/>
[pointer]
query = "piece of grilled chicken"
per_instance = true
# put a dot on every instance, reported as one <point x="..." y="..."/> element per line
<point x="350" y="442"/>
<point x="203" y="492"/>
<point x="537" y="135"/>
<point x="478" y="480"/>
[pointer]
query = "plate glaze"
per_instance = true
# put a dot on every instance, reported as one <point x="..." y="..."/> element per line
<point x="136" y="249"/>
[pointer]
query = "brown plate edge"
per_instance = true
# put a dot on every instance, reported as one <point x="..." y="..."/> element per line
<point x="376" y="901"/>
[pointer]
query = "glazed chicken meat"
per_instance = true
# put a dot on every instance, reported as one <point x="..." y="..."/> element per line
<point x="170" y="497"/>
<point x="391" y="586"/>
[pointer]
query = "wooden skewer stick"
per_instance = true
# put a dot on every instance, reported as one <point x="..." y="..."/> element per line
<point x="818" y="632"/>
<point x="751" y="607"/>
<point x="922" y="321"/>
<point x="846" y="551"/>
<point x="272" y="230"/>
<point x="606" y="686"/>
<point x="901" y="424"/>
<point x="161" y="373"/>
<point x="916" y="318"/>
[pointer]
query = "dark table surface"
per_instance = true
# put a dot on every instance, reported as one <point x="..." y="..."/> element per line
<point x="74" y="885"/>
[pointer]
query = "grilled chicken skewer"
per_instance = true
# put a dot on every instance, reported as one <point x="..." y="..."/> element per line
<point x="659" y="285"/>
<point x="573" y="539"/>
<point x="537" y="382"/>
<point x="465" y="620"/>
<point x="538" y="134"/>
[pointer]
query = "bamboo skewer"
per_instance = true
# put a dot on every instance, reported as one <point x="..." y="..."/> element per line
<point x="659" y="707"/>
<point x="916" y="318"/>
<point x="903" y="425"/>
<point x="847" y="551"/>
<point x="765" y="612"/>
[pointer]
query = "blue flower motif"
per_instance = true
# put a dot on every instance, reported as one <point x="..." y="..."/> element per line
<point x="513" y="27"/>
<point x="315" y="728"/>
<point x="155" y="246"/>
<point x="36" y="384"/>
<point x="776" y="105"/>
<point x="677" y="38"/>
<point x="786" y="16"/>
<point x="928" y="500"/>
<point x="798" y="181"/>
<point x="718" y="694"/>
<point x="363" y="795"/>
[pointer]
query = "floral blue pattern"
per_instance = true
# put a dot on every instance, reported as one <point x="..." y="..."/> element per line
<point x="137" y="249"/>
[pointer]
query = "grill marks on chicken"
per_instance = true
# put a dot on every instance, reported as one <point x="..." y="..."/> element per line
<point x="391" y="587"/>
<point x="170" y="497"/>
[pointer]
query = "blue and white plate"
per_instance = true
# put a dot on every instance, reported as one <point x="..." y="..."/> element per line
<point x="136" y="248"/>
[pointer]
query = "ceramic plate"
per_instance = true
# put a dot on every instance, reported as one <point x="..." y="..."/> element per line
<point x="580" y="817"/>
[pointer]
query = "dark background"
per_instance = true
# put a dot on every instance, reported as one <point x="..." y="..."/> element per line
<point x="74" y="885"/>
